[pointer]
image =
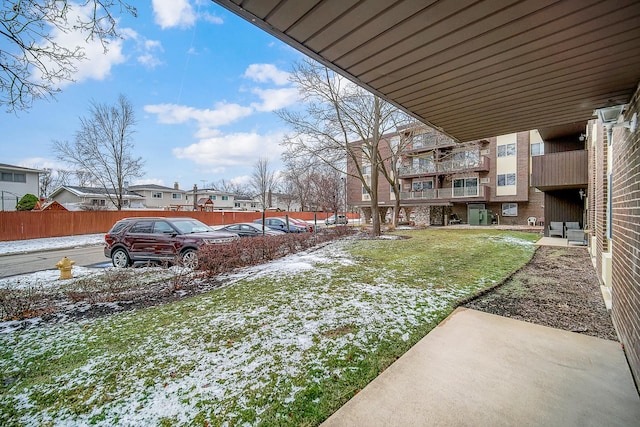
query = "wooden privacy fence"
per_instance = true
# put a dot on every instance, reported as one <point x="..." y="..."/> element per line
<point x="33" y="225"/>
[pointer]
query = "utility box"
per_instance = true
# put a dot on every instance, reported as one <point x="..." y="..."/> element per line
<point x="480" y="217"/>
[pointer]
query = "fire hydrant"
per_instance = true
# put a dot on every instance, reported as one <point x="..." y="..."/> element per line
<point x="65" y="265"/>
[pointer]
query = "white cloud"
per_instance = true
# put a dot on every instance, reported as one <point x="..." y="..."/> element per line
<point x="42" y="163"/>
<point x="213" y="19"/>
<point x="223" y="114"/>
<point x="264" y="73"/>
<point x="235" y="149"/>
<point x="97" y="63"/>
<point x="146" y="181"/>
<point x="274" y="99"/>
<point x="173" y="13"/>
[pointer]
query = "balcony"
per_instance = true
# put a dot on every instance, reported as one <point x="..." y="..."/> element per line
<point x="428" y="141"/>
<point x="445" y="167"/>
<point x="557" y="171"/>
<point x="457" y="194"/>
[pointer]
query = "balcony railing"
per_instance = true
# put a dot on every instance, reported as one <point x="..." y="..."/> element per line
<point x="426" y="141"/>
<point x="443" y="194"/>
<point x="447" y="166"/>
<point x="567" y="169"/>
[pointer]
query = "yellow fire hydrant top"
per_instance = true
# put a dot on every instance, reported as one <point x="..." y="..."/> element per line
<point x="65" y="265"/>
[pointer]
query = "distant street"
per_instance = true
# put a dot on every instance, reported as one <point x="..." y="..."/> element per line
<point x="11" y="265"/>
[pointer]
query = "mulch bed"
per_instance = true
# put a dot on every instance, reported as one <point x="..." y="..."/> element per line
<point x="558" y="288"/>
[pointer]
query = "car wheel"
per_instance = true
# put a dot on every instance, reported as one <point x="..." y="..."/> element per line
<point x="120" y="258"/>
<point x="189" y="259"/>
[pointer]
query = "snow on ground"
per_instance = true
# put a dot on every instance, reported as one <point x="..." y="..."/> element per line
<point x="33" y="245"/>
<point x="223" y="358"/>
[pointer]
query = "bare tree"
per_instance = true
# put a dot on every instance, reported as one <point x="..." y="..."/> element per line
<point x="232" y="187"/>
<point x="50" y="179"/>
<point x="339" y="113"/>
<point x="263" y="180"/>
<point x="32" y="62"/>
<point x="103" y="146"/>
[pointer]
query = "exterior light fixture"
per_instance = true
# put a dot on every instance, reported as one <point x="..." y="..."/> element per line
<point x="609" y="117"/>
<point x="581" y="193"/>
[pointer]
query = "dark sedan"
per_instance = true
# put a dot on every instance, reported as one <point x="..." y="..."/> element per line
<point x="160" y="239"/>
<point x="250" y="229"/>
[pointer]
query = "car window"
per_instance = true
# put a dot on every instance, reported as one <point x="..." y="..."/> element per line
<point x="191" y="226"/>
<point x="118" y="227"/>
<point x="162" y="227"/>
<point x="232" y="227"/>
<point x="142" y="227"/>
<point x="247" y="228"/>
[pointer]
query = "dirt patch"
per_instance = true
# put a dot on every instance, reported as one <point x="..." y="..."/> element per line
<point x="558" y="288"/>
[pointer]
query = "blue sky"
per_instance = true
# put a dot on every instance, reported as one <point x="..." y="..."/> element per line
<point x="203" y="82"/>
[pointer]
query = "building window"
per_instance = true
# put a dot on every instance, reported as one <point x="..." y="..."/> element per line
<point x="225" y="197"/>
<point x="537" y="149"/>
<point x="176" y="196"/>
<point x="13" y="177"/>
<point x="156" y="195"/>
<point x="422" y="185"/>
<point x="125" y="203"/>
<point x="465" y="187"/>
<point x="212" y="197"/>
<point x="506" y="150"/>
<point x="506" y="179"/>
<point x="509" y="209"/>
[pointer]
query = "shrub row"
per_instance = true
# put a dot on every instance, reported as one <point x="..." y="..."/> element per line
<point x="222" y="258"/>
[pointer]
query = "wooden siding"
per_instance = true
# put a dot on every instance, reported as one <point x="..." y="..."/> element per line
<point x="560" y="170"/>
<point x="563" y="206"/>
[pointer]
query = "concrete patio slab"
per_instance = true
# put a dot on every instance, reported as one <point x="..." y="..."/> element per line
<point x="485" y="370"/>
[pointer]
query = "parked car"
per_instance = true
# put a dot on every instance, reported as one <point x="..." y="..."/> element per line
<point x="250" y="229"/>
<point x="302" y="223"/>
<point x="340" y="219"/>
<point x="280" y="224"/>
<point x="160" y="239"/>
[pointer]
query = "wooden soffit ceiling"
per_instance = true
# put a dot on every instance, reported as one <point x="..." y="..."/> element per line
<point x="473" y="69"/>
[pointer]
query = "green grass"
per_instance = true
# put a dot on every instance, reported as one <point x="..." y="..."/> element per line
<point x="286" y="346"/>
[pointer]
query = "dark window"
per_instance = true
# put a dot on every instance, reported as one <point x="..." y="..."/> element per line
<point x="19" y="177"/>
<point x="142" y="227"/>
<point x="162" y="227"/>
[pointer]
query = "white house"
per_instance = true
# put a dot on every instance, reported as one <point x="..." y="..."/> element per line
<point x="15" y="182"/>
<point x="160" y="197"/>
<point x="94" y="198"/>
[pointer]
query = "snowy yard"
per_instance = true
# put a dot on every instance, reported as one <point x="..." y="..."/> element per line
<point x="284" y="343"/>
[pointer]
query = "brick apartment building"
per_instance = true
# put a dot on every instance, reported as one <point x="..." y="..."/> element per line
<point x="476" y="182"/>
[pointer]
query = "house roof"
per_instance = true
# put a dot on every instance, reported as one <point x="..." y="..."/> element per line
<point x="19" y="168"/>
<point x="154" y="187"/>
<point x="93" y="192"/>
<point x="471" y="69"/>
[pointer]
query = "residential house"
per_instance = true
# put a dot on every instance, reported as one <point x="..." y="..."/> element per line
<point x="93" y="198"/>
<point x="477" y="182"/>
<point x="161" y="197"/>
<point x="15" y="182"/>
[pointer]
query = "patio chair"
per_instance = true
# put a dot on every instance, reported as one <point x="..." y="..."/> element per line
<point x="531" y="221"/>
<point x="556" y="229"/>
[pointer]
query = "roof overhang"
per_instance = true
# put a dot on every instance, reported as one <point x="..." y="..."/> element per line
<point x="472" y="69"/>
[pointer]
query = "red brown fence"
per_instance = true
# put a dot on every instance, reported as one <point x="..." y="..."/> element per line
<point x="33" y="225"/>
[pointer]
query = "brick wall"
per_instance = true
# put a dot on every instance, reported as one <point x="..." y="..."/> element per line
<point x="626" y="238"/>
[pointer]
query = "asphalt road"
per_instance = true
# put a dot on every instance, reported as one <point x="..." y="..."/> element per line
<point x="11" y="265"/>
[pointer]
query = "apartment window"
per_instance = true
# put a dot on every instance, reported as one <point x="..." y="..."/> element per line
<point x="176" y="196"/>
<point x="509" y="209"/>
<point x="366" y="170"/>
<point x="506" y="179"/>
<point x="537" y="149"/>
<point x="465" y="187"/>
<point x="212" y="197"/>
<point x="157" y="195"/>
<point x="236" y="205"/>
<point x="507" y="150"/>
<point x="225" y="197"/>
<point x="98" y="202"/>
<point x="13" y="177"/>
<point x="422" y="185"/>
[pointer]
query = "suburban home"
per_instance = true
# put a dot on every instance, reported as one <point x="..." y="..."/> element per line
<point x="15" y="182"/>
<point x="477" y="70"/>
<point x="93" y="198"/>
<point x="160" y="197"/>
<point x="476" y="182"/>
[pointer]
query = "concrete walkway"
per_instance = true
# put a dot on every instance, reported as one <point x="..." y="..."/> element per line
<point x="485" y="370"/>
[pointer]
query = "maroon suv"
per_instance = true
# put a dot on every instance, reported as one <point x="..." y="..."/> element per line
<point x="160" y="239"/>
